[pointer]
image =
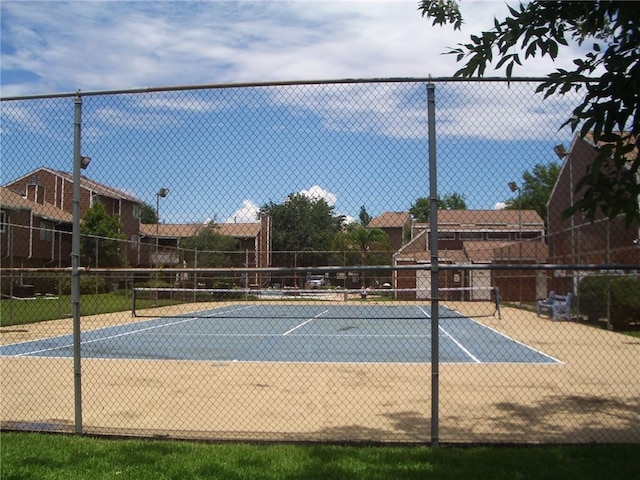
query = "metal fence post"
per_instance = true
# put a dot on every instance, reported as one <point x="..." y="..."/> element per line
<point x="75" y="262"/>
<point x="433" y="246"/>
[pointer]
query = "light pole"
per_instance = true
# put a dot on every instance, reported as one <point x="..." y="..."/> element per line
<point x="514" y="187"/>
<point x="563" y="155"/>
<point x="163" y="192"/>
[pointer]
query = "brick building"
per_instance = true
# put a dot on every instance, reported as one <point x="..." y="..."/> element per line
<point x="577" y="240"/>
<point x="54" y="188"/>
<point x="467" y="237"/>
<point x="36" y="224"/>
<point x="33" y="234"/>
<point x="397" y="226"/>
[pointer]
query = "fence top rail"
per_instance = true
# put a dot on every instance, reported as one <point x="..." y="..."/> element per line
<point x="609" y="268"/>
<point x="213" y="86"/>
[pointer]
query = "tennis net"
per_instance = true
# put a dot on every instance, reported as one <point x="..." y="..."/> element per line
<point x="486" y="301"/>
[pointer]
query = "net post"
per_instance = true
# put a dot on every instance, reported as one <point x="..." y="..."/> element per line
<point x="133" y="303"/>
<point x="496" y="299"/>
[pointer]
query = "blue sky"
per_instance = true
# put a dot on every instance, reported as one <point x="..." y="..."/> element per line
<point x="262" y="144"/>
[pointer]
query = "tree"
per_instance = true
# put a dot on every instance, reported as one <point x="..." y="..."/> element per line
<point x="148" y="214"/>
<point x="364" y="217"/>
<point x="303" y="230"/>
<point x="370" y="246"/>
<point x="101" y="238"/>
<point x="421" y="208"/>
<point x="610" y="106"/>
<point x="536" y="189"/>
<point x="452" y="201"/>
<point x="366" y="242"/>
<point x="210" y="249"/>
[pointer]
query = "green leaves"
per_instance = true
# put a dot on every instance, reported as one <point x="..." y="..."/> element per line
<point x="536" y="189"/>
<point x="422" y="206"/>
<point x="442" y="12"/>
<point x="302" y="224"/>
<point x="210" y="249"/>
<point x="611" y="103"/>
<point x="101" y="238"/>
<point x="364" y="241"/>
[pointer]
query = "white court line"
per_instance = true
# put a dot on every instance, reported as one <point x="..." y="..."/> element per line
<point x="124" y="334"/>
<point x="512" y="339"/>
<point x="471" y="355"/>
<point x="303" y="323"/>
<point x="321" y="335"/>
<point x="460" y="346"/>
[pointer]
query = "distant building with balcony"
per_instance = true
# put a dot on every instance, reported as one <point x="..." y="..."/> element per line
<point x="160" y="244"/>
<point x="33" y="235"/>
<point x="467" y="237"/>
<point x="54" y="189"/>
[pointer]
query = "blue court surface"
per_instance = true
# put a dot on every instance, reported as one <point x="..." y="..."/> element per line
<point x="300" y="333"/>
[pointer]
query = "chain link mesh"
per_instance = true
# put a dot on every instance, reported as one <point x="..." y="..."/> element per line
<point x="256" y="265"/>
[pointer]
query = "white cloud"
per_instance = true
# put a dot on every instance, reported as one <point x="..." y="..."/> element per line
<point x="499" y="206"/>
<point x="318" y="193"/>
<point x="248" y="213"/>
<point x="130" y="44"/>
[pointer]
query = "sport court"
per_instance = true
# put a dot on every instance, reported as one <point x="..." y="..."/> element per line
<point x="309" y="333"/>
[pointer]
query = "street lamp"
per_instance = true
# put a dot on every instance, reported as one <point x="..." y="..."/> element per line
<point x="513" y="186"/>
<point x="560" y="151"/>
<point x="163" y="192"/>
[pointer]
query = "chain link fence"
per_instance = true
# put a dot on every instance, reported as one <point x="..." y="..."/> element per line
<point x="313" y="261"/>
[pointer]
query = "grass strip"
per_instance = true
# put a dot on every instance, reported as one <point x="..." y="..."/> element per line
<point x="45" y="456"/>
<point x="26" y="311"/>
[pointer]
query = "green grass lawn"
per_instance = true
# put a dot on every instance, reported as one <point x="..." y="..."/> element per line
<point x="45" y="456"/>
<point x="22" y="312"/>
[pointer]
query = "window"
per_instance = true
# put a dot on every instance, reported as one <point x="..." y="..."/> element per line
<point x="136" y="211"/>
<point x="134" y="242"/>
<point x="530" y="235"/>
<point x="498" y="235"/>
<point x="46" y="230"/>
<point x="3" y="222"/>
<point x="471" y="235"/>
<point x="446" y="236"/>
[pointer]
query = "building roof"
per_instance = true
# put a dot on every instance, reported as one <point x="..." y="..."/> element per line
<point x="92" y="185"/>
<point x="532" y="251"/>
<point x="390" y="220"/>
<point x="240" y="229"/>
<point x="628" y="138"/>
<point x="237" y="230"/>
<point x="482" y="251"/>
<point x="445" y="256"/>
<point x="483" y="220"/>
<point x="12" y="201"/>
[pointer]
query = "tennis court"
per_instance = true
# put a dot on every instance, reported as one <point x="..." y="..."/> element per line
<point x="313" y="333"/>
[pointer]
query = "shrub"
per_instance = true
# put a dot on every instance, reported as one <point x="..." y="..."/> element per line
<point x="622" y="293"/>
<point x="625" y="303"/>
<point x="593" y="295"/>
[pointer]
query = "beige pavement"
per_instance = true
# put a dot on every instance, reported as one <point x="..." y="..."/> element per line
<point x="592" y="395"/>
